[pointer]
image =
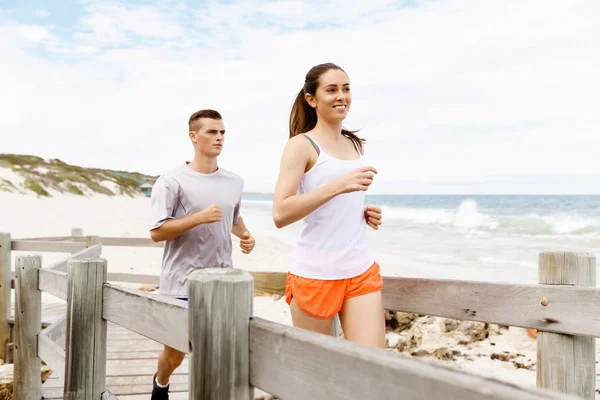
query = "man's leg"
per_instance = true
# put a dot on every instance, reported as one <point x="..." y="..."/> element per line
<point x="168" y="361"/>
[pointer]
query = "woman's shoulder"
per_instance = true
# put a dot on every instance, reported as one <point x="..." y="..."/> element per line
<point x="301" y="142"/>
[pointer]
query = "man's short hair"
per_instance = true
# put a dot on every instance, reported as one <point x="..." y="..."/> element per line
<point x="195" y="123"/>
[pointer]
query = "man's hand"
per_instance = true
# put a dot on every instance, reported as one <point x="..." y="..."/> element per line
<point x="373" y="216"/>
<point x="247" y="243"/>
<point x="210" y="214"/>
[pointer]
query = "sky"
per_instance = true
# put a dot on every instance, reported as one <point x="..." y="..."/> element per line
<point x="453" y="96"/>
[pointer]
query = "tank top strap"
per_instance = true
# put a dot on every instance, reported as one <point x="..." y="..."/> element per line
<point x="356" y="146"/>
<point x="315" y="145"/>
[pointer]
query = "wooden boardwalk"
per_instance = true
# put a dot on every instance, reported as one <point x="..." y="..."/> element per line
<point x="131" y="363"/>
<point x="564" y="307"/>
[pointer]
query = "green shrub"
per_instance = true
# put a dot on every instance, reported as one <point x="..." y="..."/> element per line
<point x="74" y="189"/>
<point x="34" y="186"/>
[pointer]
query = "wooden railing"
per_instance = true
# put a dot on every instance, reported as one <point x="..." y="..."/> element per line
<point x="231" y="351"/>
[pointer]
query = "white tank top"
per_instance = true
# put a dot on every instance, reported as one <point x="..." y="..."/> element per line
<point x="333" y="242"/>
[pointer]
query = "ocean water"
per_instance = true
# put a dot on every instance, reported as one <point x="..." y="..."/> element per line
<point x="479" y="237"/>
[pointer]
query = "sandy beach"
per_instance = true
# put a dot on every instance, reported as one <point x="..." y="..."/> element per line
<point x="507" y="354"/>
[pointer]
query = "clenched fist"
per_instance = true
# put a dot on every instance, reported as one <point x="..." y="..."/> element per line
<point x="359" y="179"/>
<point x="247" y="243"/>
<point x="210" y="214"/>
<point x="373" y="216"/>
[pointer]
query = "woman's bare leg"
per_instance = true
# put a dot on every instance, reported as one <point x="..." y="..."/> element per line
<point x="305" y="321"/>
<point x="363" y="320"/>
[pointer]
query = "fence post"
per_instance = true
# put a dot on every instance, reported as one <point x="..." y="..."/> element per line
<point x="220" y="307"/>
<point x="335" y="326"/>
<point x="28" y="325"/>
<point x="76" y="232"/>
<point x="85" y="350"/>
<point x="91" y="240"/>
<point x="6" y="276"/>
<point x="566" y="363"/>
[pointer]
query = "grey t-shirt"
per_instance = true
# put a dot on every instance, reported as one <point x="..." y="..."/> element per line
<point x="182" y="192"/>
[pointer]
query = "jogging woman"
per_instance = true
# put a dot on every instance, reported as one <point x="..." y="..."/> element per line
<point x="322" y="181"/>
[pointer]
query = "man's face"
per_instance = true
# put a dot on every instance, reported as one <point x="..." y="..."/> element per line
<point x="209" y="139"/>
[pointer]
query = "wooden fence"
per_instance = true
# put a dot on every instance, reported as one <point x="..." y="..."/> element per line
<point x="231" y="351"/>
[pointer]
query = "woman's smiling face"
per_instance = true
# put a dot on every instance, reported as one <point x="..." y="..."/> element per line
<point x="332" y="98"/>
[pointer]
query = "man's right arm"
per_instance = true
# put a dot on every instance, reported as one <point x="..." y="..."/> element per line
<point x="175" y="227"/>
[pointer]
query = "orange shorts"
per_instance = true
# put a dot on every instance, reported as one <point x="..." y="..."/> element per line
<point x="324" y="298"/>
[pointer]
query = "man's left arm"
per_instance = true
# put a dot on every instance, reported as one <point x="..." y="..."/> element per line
<point x="247" y="241"/>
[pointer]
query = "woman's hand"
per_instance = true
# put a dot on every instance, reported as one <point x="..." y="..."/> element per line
<point x="373" y="216"/>
<point x="359" y="179"/>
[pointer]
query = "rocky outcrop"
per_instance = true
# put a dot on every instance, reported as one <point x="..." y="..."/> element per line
<point x="444" y="339"/>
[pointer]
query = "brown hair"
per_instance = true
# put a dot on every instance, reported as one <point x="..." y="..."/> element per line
<point x="303" y="116"/>
<point x="194" y="124"/>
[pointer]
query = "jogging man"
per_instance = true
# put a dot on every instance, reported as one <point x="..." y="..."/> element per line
<point x="195" y="209"/>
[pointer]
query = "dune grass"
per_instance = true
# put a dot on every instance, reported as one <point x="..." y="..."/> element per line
<point x="41" y="175"/>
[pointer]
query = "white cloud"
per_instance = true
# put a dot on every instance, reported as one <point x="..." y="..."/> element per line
<point x="445" y="91"/>
<point x="34" y="33"/>
<point x="113" y="23"/>
<point x="42" y="13"/>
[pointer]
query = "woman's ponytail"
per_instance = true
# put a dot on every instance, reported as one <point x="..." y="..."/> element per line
<point x="303" y="117"/>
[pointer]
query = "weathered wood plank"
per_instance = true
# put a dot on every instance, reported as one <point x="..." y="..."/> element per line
<point x="129" y="242"/>
<point x="51" y="353"/>
<point x="567" y="363"/>
<point x="146" y="388"/>
<point x="28" y="317"/>
<point x="148" y="369"/>
<point x="180" y="376"/>
<point x="50" y="247"/>
<point x="48" y="238"/>
<point x="76" y="232"/>
<point x="174" y="396"/>
<point x="6" y="277"/>
<point x="107" y="395"/>
<point x="220" y="308"/>
<point x="53" y="282"/>
<point x="50" y="314"/>
<point x="297" y="364"/>
<point x="86" y="330"/>
<point x="57" y="332"/>
<point x="133" y="364"/>
<point x="139" y="345"/>
<point x="115" y="335"/>
<point x="336" y="328"/>
<point x="476" y="301"/>
<point x="265" y="282"/>
<point x="54" y="394"/>
<point x="157" y="317"/>
<point x="133" y="278"/>
<point x="91" y="252"/>
<point x="572" y="310"/>
<point x="91" y="240"/>
<point x="269" y="282"/>
<point x="132" y="355"/>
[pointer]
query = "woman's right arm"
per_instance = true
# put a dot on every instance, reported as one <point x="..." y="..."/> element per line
<point x="290" y="207"/>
